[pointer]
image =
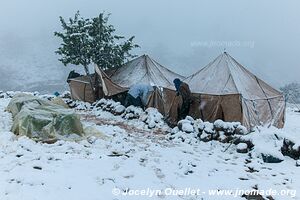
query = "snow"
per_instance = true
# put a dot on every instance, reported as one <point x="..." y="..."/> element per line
<point x="242" y="146"/>
<point x="132" y="156"/>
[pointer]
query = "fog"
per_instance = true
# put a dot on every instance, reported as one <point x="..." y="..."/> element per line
<point x="264" y="36"/>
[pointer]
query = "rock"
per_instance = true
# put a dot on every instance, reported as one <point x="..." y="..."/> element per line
<point x="267" y="158"/>
<point x="222" y="137"/>
<point x="189" y="118"/>
<point x="153" y="115"/>
<point x="240" y="130"/>
<point x="66" y="95"/>
<point x="298" y="163"/>
<point x="144" y="118"/>
<point x="188" y="128"/>
<point x="219" y="125"/>
<point x="199" y="126"/>
<point x="205" y="137"/>
<point x="136" y="111"/>
<point x="289" y="149"/>
<point x="238" y="140"/>
<point x="91" y="139"/>
<point x="2" y="95"/>
<point x="151" y="124"/>
<point x="185" y="126"/>
<point x="78" y="105"/>
<point x="242" y="148"/>
<point x="101" y="102"/>
<point x="129" y="116"/>
<point x="174" y="130"/>
<point x="119" y="109"/>
<point x="70" y="103"/>
<point x="209" y="128"/>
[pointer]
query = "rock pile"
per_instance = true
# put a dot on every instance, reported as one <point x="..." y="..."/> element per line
<point x="206" y="131"/>
<point x="132" y="112"/>
<point x="151" y="117"/>
<point x="4" y="95"/>
<point x="78" y="105"/>
<point x="189" y="130"/>
<point x="110" y="106"/>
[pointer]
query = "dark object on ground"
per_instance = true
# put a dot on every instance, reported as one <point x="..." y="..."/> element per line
<point x="288" y="149"/>
<point x="270" y="159"/>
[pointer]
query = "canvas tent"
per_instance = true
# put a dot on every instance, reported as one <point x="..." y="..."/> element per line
<point x="143" y="70"/>
<point x="81" y="89"/>
<point x="117" y="81"/>
<point x="225" y="90"/>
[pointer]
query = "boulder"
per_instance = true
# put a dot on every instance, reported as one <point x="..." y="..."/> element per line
<point x="242" y="148"/>
<point x="219" y="125"/>
<point x="290" y="149"/>
<point x="2" y="95"/>
<point x="240" y="130"/>
<point x="66" y="95"/>
<point x="185" y="126"/>
<point x="267" y="158"/>
<point x="119" y="109"/>
<point x="189" y="118"/>
<point x="188" y="128"/>
<point x="151" y="124"/>
<point x="100" y="103"/>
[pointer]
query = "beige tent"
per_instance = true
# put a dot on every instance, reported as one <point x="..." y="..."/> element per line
<point x="117" y="81"/>
<point x="81" y="89"/>
<point x="225" y="90"/>
<point x="143" y="70"/>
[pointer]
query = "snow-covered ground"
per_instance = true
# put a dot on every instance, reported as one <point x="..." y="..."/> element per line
<point x="135" y="159"/>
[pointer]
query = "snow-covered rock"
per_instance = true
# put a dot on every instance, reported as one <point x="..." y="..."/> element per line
<point x="242" y="148"/>
<point x="66" y="95"/>
<point x="266" y="143"/>
<point x="241" y="130"/>
<point x="119" y="109"/>
<point x="152" y="118"/>
<point x="185" y="125"/>
<point x="271" y="158"/>
<point x="219" y="125"/>
<point x="291" y="149"/>
<point x="189" y="118"/>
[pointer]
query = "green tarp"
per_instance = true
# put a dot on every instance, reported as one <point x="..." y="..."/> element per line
<point x="43" y="120"/>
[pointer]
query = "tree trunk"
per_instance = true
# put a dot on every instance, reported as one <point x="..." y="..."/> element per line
<point x="97" y="89"/>
<point x="91" y="80"/>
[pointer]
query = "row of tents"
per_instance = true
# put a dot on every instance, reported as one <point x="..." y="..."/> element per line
<point x="223" y="89"/>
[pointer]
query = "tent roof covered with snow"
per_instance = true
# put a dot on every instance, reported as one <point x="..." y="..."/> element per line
<point x="226" y="90"/>
<point x="139" y="70"/>
<point x="143" y="70"/>
<point x="225" y="75"/>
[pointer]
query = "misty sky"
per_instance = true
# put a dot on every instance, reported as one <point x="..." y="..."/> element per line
<point x="183" y="35"/>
